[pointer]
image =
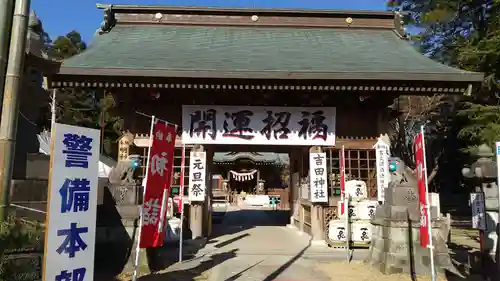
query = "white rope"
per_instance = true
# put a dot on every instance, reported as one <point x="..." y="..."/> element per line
<point x="243" y="176"/>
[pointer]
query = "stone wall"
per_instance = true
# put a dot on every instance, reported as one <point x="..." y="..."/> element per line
<point x="395" y="246"/>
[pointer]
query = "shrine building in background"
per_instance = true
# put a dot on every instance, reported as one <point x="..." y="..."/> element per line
<point x="261" y="82"/>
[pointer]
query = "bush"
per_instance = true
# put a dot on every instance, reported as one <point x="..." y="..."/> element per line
<point x="16" y="237"/>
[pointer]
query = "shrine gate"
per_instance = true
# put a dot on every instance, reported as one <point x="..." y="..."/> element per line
<point x="261" y="80"/>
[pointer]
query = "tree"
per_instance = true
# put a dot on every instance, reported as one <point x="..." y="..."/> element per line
<point x="462" y="34"/>
<point x="66" y="46"/>
<point x="83" y="107"/>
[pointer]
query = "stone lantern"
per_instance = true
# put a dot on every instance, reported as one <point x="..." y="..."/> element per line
<point x="484" y="169"/>
<point x="484" y="174"/>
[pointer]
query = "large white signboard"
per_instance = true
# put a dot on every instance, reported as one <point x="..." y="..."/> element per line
<point x="318" y="177"/>
<point x="250" y="125"/>
<point x="72" y="204"/>
<point x="197" y="174"/>
<point x="478" y="211"/>
<point x="382" y="152"/>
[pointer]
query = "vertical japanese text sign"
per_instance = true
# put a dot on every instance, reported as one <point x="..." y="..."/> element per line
<point x="422" y="188"/>
<point x="72" y="204"/>
<point x="158" y="178"/>
<point x="318" y="177"/>
<point x="382" y="158"/>
<point x="197" y="173"/>
<point x="478" y="211"/>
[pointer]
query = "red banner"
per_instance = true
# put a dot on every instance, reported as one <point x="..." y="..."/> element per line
<point x="421" y="172"/>
<point x="159" y="174"/>
<point x="342" y="180"/>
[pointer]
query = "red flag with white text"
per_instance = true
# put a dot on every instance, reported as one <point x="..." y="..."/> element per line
<point x="158" y="181"/>
<point x="421" y="172"/>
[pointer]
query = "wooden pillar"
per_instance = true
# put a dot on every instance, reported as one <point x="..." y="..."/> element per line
<point x="196" y="209"/>
<point x="257" y="191"/>
<point x="207" y="208"/>
<point x="294" y="184"/>
<point x="317" y="228"/>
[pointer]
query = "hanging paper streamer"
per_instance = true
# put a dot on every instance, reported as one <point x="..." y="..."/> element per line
<point x="243" y="176"/>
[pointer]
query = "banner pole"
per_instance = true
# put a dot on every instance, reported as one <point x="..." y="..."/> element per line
<point x="345" y="202"/>
<point x="181" y="200"/>
<point x="428" y="207"/>
<point x="138" y="247"/>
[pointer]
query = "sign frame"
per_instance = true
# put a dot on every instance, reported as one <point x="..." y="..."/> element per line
<point x="382" y="154"/>
<point x="262" y="124"/>
<point x="315" y="179"/>
<point x="202" y="157"/>
<point x="478" y="210"/>
<point x="74" y="170"/>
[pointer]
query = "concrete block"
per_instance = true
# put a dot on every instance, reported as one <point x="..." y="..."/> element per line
<point x="37" y="166"/>
<point x="401" y="195"/>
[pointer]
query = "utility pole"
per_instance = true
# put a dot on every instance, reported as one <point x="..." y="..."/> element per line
<point x="11" y="98"/>
<point x="6" y="14"/>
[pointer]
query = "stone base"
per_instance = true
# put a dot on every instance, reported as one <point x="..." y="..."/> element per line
<point x="397" y="250"/>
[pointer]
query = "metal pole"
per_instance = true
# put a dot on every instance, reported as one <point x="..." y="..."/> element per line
<point x="141" y="217"/>
<point x="6" y="14"/>
<point x="11" y="97"/>
<point x="181" y="200"/>
<point x="347" y="227"/>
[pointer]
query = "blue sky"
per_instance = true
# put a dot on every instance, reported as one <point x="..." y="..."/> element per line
<point x="61" y="16"/>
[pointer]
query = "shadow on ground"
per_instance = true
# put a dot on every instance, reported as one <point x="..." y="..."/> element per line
<point x="241" y="220"/>
<point x="196" y="273"/>
<point x="165" y="259"/>
<point x="470" y="263"/>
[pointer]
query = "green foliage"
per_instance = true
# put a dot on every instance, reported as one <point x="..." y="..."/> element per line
<point x="66" y="46"/>
<point x="15" y="236"/>
<point x="464" y="34"/>
<point x="481" y="124"/>
<point x="84" y="107"/>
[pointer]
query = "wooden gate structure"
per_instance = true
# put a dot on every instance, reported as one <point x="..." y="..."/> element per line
<point x="155" y="59"/>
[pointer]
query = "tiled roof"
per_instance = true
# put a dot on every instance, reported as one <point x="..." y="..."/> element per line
<point x="341" y="52"/>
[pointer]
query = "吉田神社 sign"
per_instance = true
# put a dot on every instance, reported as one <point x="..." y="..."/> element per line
<point x="318" y="177"/>
<point x="258" y="125"/>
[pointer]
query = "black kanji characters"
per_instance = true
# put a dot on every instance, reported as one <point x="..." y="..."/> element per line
<point x="203" y="123"/>
<point x="240" y="125"/>
<point x="312" y="125"/>
<point x="276" y="124"/>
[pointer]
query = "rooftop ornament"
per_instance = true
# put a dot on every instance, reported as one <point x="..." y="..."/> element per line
<point x="108" y="22"/>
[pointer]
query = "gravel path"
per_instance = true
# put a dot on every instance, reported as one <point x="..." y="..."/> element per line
<point x="358" y="271"/>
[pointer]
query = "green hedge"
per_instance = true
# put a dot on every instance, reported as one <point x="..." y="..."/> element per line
<point x="17" y="237"/>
